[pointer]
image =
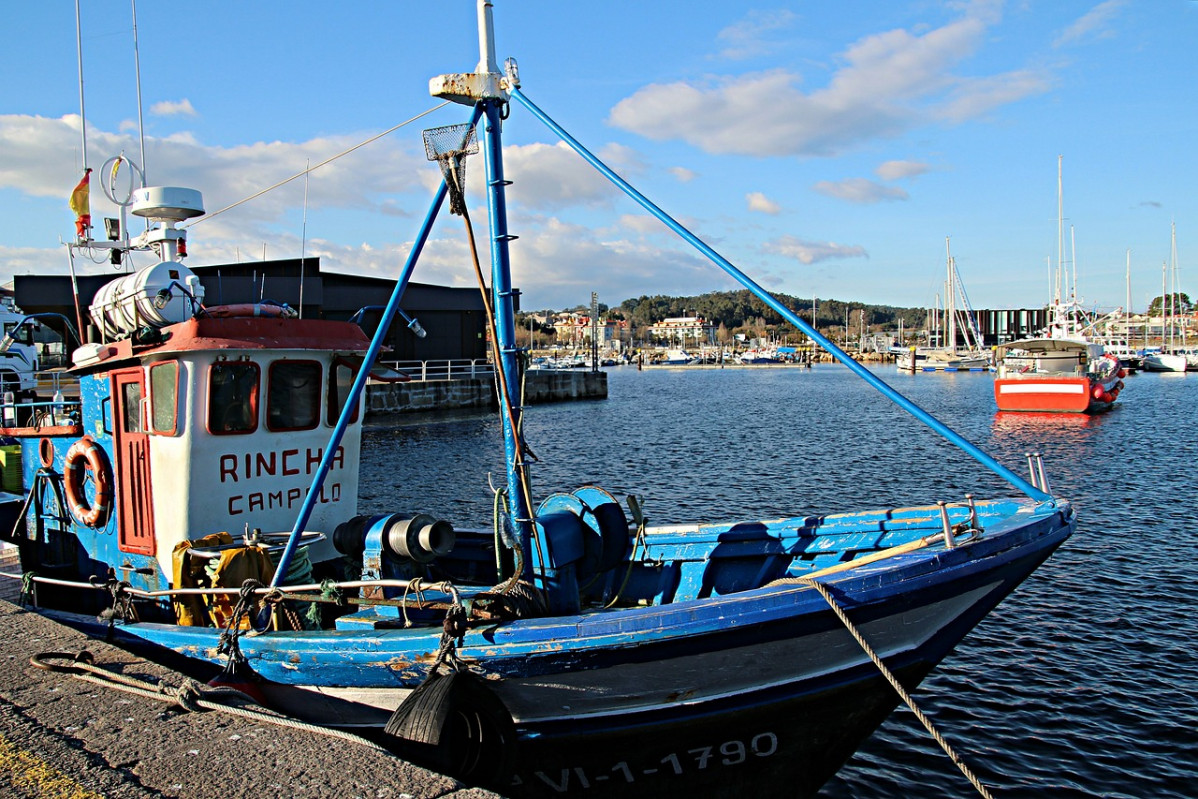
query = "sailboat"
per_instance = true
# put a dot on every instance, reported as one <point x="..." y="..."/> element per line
<point x="948" y="356"/>
<point x="1064" y="370"/>
<point x="1171" y="357"/>
<point x="1117" y="340"/>
<point x="199" y="500"/>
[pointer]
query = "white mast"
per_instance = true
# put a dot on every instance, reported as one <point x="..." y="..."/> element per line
<point x="950" y="302"/>
<point x="1164" y="291"/>
<point x="1073" y="257"/>
<point x="1060" y="233"/>
<point x="1127" y="303"/>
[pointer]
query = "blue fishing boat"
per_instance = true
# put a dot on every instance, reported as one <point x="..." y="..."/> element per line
<point x="200" y="499"/>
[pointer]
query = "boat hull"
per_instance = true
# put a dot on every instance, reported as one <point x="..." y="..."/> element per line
<point x="1165" y="362"/>
<point x="1042" y="394"/>
<point x="664" y="701"/>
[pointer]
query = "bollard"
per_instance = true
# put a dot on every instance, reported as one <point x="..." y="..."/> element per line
<point x="974" y="522"/>
<point x="949" y="543"/>
<point x="1043" y="477"/>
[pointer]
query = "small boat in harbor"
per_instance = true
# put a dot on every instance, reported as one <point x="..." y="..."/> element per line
<point x="1173" y="355"/>
<point x="675" y="358"/>
<point x="757" y="357"/>
<point x="1161" y="361"/>
<point x="200" y="500"/>
<point x="1056" y="375"/>
<point x="1066" y="369"/>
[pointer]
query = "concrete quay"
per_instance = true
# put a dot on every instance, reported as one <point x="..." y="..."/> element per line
<point x="63" y="737"/>
<point x="540" y="386"/>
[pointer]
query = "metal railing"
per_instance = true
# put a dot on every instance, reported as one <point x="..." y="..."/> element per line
<point x="448" y="369"/>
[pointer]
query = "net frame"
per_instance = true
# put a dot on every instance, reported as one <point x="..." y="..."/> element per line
<point x="449" y="145"/>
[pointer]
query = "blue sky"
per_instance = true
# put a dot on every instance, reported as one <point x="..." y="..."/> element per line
<point x="825" y="149"/>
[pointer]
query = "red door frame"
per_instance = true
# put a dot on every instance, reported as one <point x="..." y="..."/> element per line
<point x="130" y="444"/>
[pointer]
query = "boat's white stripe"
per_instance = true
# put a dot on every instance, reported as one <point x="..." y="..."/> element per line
<point x="1042" y="388"/>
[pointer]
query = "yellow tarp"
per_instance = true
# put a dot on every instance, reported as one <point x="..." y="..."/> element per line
<point x="234" y="567"/>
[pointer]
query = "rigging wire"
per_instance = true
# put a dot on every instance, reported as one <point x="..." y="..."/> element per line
<point x="309" y="169"/>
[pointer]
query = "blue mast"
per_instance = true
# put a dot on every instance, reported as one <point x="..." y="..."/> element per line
<point x="487" y="89"/>
<point x="505" y="329"/>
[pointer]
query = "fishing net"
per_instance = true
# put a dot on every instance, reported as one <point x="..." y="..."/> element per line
<point x="450" y="145"/>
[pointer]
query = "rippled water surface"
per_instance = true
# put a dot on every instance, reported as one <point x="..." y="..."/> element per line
<point x="1082" y="683"/>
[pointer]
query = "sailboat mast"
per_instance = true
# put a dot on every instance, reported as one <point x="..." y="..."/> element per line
<point x="1060" y="233"/>
<point x="1127" y="300"/>
<point x="950" y="302"/>
<point x="1073" y="258"/>
<point x="1174" y="300"/>
<point x="1127" y="303"/>
<point x="1164" y="293"/>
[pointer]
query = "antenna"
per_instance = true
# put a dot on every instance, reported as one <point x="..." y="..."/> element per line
<point x="141" y="130"/>
<point x="79" y="52"/>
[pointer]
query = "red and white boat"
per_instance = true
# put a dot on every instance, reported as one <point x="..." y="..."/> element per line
<point x="1056" y="375"/>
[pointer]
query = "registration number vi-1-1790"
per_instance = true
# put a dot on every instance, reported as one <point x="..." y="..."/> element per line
<point x="728" y="753"/>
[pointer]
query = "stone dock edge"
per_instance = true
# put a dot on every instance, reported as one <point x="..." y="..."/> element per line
<point x="63" y="737"/>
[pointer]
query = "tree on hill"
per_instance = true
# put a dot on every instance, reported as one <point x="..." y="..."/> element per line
<point x="1181" y="304"/>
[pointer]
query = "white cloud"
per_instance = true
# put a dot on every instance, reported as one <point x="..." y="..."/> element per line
<point x="683" y="174"/>
<point x="974" y="98"/>
<point x="886" y="84"/>
<point x="760" y="203"/>
<point x="810" y="252"/>
<point x="750" y="36"/>
<point x="643" y="224"/>
<point x="551" y="175"/>
<point x="556" y="262"/>
<point x="860" y="191"/>
<point x="173" y="108"/>
<point x="897" y="170"/>
<point x="1095" y="23"/>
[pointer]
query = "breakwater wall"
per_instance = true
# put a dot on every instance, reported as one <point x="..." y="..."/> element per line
<point x="540" y="386"/>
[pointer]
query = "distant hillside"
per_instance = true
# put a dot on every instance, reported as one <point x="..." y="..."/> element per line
<point x="742" y="311"/>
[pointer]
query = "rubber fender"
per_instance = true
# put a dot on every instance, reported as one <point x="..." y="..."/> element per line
<point x="459" y="726"/>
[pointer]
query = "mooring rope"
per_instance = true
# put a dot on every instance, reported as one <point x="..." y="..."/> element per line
<point x="190" y="695"/>
<point x="902" y="692"/>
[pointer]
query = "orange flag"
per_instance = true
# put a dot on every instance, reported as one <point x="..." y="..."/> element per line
<point x="81" y="205"/>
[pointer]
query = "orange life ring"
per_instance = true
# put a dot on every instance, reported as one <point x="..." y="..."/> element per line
<point x="85" y="454"/>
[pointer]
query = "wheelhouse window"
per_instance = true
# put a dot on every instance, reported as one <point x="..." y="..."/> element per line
<point x="164" y="397"/>
<point x="131" y="408"/>
<point x="293" y="395"/>
<point x="233" y="397"/>
<point x="341" y="379"/>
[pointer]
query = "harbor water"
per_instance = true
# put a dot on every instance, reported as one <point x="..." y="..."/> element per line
<point x="1083" y="683"/>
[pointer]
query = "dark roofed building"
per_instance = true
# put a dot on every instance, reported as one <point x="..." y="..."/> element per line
<point x="454" y="318"/>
